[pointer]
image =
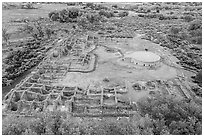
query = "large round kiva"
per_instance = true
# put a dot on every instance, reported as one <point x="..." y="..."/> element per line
<point x="55" y="53"/>
<point x="143" y="58"/>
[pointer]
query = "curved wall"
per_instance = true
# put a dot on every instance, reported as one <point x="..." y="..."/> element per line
<point x="147" y="62"/>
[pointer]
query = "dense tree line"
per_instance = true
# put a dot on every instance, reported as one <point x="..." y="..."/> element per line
<point x="20" y="60"/>
<point x="75" y="14"/>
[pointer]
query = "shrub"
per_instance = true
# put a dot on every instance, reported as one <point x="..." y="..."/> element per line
<point x="95" y="6"/>
<point x="91" y="21"/>
<point x="89" y="4"/>
<point x="196" y="40"/>
<point x="173" y="17"/>
<point x="171" y="13"/>
<point x="167" y="7"/>
<point x="197" y="90"/>
<point x="82" y="21"/>
<point x="188" y="18"/>
<point x="100" y="7"/>
<point x="49" y="32"/>
<point x="71" y="3"/>
<point x="27" y="6"/>
<point x="5" y="35"/>
<point x="73" y="13"/>
<point x="141" y="15"/>
<point x="63" y="15"/>
<point x="133" y="7"/>
<point x="151" y="15"/>
<point x="115" y="6"/>
<point x="167" y="17"/>
<point x="184" y="35"/>
<point x="148" y="10"/>
<point x="197" y="32"/>
<point x="93" y="17"/>
<point x="194" y="25"/>
<point x="54" y="15"/>
<point x="161" y="17"/>
<point x="189" y="8"/>
<point x="107" y="14"/>
<point x="123" y="14"/>
<point x="175" y="30"/>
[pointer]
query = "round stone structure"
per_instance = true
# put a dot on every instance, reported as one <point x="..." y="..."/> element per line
<point x="143" y="58"/>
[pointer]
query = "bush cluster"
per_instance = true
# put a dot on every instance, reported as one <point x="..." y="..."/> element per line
<point x="198" y="78"/>
<point x="175" y="30"/>
<point x="106" y="13"/>
<point x="95" y="6"/>
<point x="5" y="35"/>
<point x="195" y="31"/>
<point x="71" y="3"/>
<point x="27" y="6"/>
<point x="115" y="6"/>
<point x="170" y="17"/>
<point x="150" y="15"/>
<point x="65" y="15"/>
<point x="123" y="14"/>
<point x="91" y="21"/>
<point x="157" y="15"/>
<point x="187" y="18"/>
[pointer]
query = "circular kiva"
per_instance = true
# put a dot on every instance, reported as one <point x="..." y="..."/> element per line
<point x="144" y="56"/>
<point x="143" y="59"/>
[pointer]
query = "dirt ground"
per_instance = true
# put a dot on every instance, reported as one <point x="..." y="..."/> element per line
<point x="109" y="68"/>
